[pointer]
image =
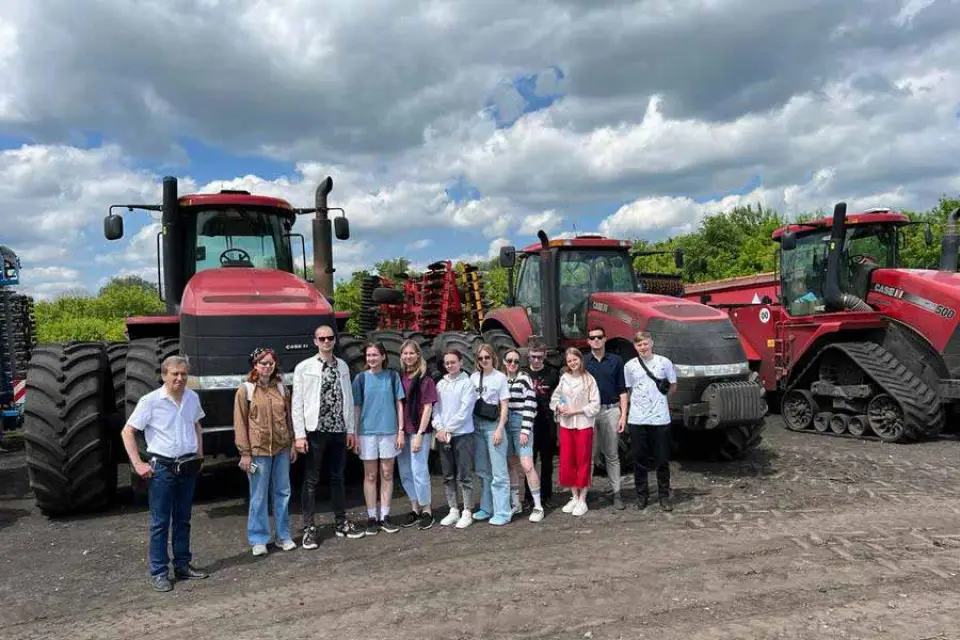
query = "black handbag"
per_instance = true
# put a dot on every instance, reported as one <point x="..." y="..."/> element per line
<point x="663" y="385"/>
<point x="483" y="409"/>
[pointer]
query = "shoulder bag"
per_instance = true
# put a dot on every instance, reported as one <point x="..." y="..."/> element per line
<point x="485" y="410"/>
<point x="663" y="385"/>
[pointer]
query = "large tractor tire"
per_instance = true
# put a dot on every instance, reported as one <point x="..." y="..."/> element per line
<point x="465" y="342"/>
<point x="724" y="445"/>
<point x="501" y="341"/>
<point x="350" y="350"/>
<point x="142" y="372"/>
<point x="68" y="444"/>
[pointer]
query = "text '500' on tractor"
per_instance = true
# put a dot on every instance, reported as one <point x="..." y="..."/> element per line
<point x="565" y="286"/>
<point x="851" y="342"/>
<point x="230" y="286"/>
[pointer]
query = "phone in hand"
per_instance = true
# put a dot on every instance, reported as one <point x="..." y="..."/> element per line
<point x="254" y="467"/>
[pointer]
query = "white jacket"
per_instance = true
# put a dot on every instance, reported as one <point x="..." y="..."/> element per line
<point x="305" y="401"/>
<point x="453" y="410"/>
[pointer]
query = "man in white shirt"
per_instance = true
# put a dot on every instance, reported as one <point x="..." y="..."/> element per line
<point x="323" y="425"/>
<point x="649" y="418"/>
<point x="169" y="418"/>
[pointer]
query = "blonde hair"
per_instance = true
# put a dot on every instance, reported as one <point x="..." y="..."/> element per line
<point x="494" y="358"/>
<point x="573" y="351"/>
<point x="421" y="368"/>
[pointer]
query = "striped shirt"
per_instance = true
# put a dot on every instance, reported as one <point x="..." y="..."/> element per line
<point x="523" y="399"/>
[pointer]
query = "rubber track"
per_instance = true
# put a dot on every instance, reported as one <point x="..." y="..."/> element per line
<point x="920" y="404"/>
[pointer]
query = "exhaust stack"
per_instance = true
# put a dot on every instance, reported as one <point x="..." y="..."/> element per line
<point x="834" y="297"/>
<point x="323" y="242"/>
<point x="951" y="243"/>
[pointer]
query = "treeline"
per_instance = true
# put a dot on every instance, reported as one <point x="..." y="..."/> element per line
<point x="724" y="245"/>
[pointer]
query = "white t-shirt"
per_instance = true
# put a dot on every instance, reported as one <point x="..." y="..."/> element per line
<point x="495" y="386"/>
<point x="647" y="404"/>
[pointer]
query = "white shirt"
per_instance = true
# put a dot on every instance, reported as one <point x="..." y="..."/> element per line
<point x="170" y="430"/>
<point x="647" y="404"/>
<point x="495" y="388"/>
<point x="453" y="411"/>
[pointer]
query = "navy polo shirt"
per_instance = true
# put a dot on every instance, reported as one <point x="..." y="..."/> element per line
<point x="608" y="372"/>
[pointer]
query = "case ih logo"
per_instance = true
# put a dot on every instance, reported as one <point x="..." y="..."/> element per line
<point x="887" y="290"/>
<point x="297" y="347"/>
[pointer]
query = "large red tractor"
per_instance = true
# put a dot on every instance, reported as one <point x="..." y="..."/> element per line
<point x="565" y="286"/>
<point x="229" y="285"/>
<point x="848" y="340"/>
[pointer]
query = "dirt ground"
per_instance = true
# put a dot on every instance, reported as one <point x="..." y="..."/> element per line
<point x="811" y="537"/>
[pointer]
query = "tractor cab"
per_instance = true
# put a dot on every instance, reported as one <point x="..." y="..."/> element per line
<point x="871" y="242"/>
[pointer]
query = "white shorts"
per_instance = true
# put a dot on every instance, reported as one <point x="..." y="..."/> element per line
<point x="378" y="447"/>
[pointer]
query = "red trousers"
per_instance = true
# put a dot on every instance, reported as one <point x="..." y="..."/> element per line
<point x="576" y="450"/>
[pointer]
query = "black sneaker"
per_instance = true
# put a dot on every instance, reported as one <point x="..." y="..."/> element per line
<point x="309" y="538"/>
<point x="372" y="527"/>
<point x="641" y="503"/>
<point x="412" y="518"/>
<point x="347" y="529"/>
<point x="666" y="504"/>
<point x="388" y="526"/>
<point x="426" y="521"/>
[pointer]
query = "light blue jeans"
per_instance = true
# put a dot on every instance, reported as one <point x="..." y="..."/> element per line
<point x="273" y="474"/>
<point x="414" y="472"/>
<point x="490" y="462"/>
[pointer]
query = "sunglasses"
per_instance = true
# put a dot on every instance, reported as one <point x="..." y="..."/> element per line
<point x="595" y="337"/>
<point x="324" y="338"/>
<point x="512" y="361"/>
<point x="484" y="358"/>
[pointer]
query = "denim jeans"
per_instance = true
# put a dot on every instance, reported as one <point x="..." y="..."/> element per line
<point x="414" y="472"/>
<point x="491" y="468"/>
<point x="271" y="479"/>
<point x="171" y="504"/>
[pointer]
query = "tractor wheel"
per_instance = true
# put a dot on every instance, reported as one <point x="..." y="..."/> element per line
<point x="144" y="358"/>
<point x="68" y="446"/>
<point x="117" y="356"/>
<point x="350" y="350"/>
<point x="726" y="445"/>
<point x="501" y="341"/>
<point x="465" y="342"/>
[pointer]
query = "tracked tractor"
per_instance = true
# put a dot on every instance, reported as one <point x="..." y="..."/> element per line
<point x="226" y="262"/>
<point x="853" y="344"/>
<point x="17" y="339"/>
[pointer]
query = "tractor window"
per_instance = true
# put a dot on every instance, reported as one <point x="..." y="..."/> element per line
<point x="528" y="291"/>
<point x="586" y="272"/>
<point x="238" y="237"/>
<point x="866" y="248"/>
<point x="801" y="273"/>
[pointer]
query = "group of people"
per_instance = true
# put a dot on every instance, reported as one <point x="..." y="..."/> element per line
<point x="488" y="428"/>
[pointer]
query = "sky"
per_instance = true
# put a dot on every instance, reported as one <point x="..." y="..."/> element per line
<point x="452" y="128"/>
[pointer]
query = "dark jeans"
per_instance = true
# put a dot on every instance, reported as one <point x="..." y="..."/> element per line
<point x="544" y="447"/>
<point x="456" y="461"/>
<point x="171" y="503"/>
<point x="651" y="444"/>
<point x="332" y="449"/>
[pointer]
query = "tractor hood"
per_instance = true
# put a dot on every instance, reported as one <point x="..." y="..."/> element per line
<point x="251" y="292"/>
<point x="637" y="308"/>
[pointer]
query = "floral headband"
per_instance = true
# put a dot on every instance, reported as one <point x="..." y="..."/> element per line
<point x="258" y="354"/>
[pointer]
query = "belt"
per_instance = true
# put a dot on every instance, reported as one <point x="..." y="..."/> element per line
<point x="610" y="406"/>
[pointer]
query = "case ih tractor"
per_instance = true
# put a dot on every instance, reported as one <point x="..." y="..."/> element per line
<point x="850" y="342"/>
<point x="565" y="286"/>
<point x="229" y="286"/>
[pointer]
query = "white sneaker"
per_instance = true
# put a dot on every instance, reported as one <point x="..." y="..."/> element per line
<point x="451" y="518"/>
<point x="259" y="549"/>
<point x="580" y="509"/>
<point x="536" y="515"/>
<point x="287" y="545"/>
<point x="568" y="508"/>
<point x="466" y="519"/>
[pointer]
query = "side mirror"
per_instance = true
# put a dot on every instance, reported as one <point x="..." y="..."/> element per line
<point x="678" y="258"/>
<point x="386" y="295"/>
<point x="788" y="241"/>
<point x="928" y="236"/>
<point x="113" y="227"/>
<point x="508" y="257"/>
<point x="341" y="227"/>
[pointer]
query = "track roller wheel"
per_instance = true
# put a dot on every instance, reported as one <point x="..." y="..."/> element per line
<point x="886" y="418"/>
<point x="799" y="409"/>
<point x="858" y="425"/>
<point x="839" y="423"/>
<point x="821" y="423"/>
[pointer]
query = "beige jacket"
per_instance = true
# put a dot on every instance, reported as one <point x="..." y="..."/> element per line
<point x="580" y="393"/>
<point x="262" y="426"/>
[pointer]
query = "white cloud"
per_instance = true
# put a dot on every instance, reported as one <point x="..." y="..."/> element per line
<point x="416" y="245"/>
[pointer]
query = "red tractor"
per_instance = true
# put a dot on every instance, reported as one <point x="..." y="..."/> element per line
<point x="567" y="285"/>
<point x="229" y="284"/>
<point x="850" y="342"/>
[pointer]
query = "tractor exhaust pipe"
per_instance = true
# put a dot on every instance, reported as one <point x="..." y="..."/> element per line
<point x="323" y="242"/>
<point x="549" y="304"/>
<point x="173" y="246"/>
<point x="834" y="297"/>
<point x="951" y="243"/>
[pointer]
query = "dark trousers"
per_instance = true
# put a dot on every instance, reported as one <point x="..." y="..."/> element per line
<point x="544" y="448"/>
<point x="650" y="444"/>
<point x="332" y="449"/>
<point x="456" y="461"/>
<point x="171" y="503"/>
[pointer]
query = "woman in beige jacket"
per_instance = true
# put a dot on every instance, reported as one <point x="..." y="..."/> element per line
<point x="263" y="434"/>
<point x="576" y="403"/>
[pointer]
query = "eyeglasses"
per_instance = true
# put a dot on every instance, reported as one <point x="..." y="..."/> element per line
<point x="324" y="338"/>
<point x="512" y="361"/>
<point x="595" y="337"/>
